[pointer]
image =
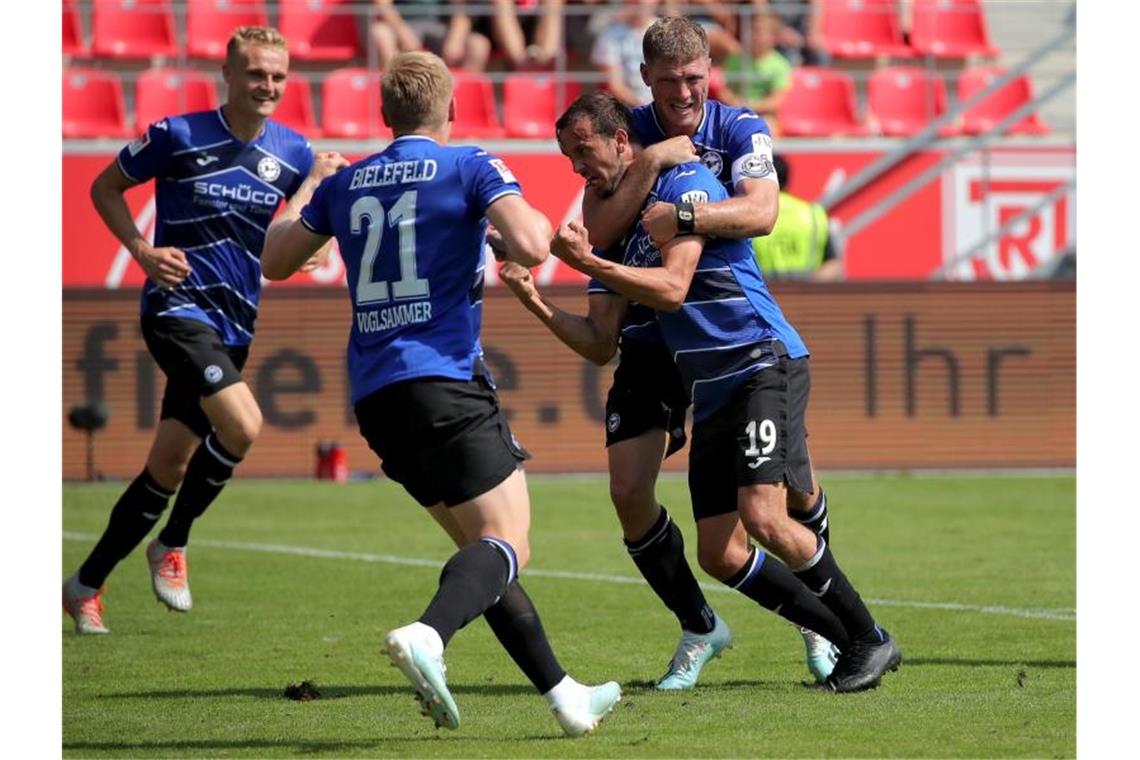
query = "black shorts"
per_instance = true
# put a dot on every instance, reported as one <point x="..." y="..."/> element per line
<point x="196" y="363"/>
<point x="647" y="394"/>
<point x="442" y="440"/>
<point x="757" y="437"/>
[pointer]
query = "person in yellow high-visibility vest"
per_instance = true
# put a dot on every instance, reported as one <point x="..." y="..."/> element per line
<point x="800" y="246"/>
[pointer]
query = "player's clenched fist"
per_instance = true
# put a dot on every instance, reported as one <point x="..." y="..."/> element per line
<point x="572" y="245"/>
<point x="327" y="163"/>
<point x="672" y="152"/>
<point x="518" y="278"/>
<point x="165" y="266"/>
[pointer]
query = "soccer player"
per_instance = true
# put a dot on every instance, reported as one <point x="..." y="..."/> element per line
<point x="219" y="177"/>
<point x="746" y="371"/>
<point x="410" y="222"/>
<point x="736" y="146"/>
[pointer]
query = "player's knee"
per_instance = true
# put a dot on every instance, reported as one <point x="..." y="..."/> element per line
<point x="762" y="526"/>
<point x="631" y="494"/>
<point x="716" y="562"/>
<point x="238" y="433"/>
<point x="167" y="468"/>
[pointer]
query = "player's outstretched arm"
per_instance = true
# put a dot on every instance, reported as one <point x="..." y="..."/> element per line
<point x="289" y="246"/>
<point x="609" y="218"/>
<point x="663" y="288"/>
<point x="165" y="266"/>
<point x="523" y="231"/>
<point x="594" y="337"/>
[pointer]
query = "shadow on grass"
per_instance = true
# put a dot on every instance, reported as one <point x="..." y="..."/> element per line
<point x="327" y="691"/>
<point x="920" y="661"/>
<point x="273" y="746"/>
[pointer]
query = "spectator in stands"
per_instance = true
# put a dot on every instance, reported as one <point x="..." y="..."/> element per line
<point x="800" y="246"/>
<point x="392" y="30"/>
<point x="717" y="21"/>
<point x="617" y="52"/>
<point x="801" y="32"/>
<point x="511" y="33"/>
<point x="760" y="78"/>
<point x="582" y="29"/>
<point x="199" y="303"/>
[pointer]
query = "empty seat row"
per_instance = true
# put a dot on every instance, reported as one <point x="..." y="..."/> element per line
<point x="871" y="28"/>
<point x="317" y="30"/>
<point x="94" y="103"/>
<point x="901" y="101"/>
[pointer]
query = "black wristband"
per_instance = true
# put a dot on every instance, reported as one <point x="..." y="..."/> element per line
<point x="685" y="217"/>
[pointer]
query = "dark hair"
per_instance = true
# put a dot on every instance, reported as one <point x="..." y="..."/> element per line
<point x="606" y="113"/>
<point x="781" y="166"/>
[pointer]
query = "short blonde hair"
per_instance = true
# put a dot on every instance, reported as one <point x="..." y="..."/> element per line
<point x="677" y="39"/>
<point x="244" y="36"/>
<point x="416" y="91"/>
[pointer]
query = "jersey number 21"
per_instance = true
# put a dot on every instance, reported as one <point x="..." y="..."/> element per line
<point x="402" y="215"/>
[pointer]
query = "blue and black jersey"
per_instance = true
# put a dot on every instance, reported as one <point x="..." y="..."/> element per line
<point x="729" y="327"/>
<point x="640" y="323"/>
<point x="411" y="226"/>
<point x="214" y="197"/>
<point x="733" y="143"/>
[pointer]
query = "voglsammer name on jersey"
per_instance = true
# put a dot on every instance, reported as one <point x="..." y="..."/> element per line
<point x="379" y="320"/>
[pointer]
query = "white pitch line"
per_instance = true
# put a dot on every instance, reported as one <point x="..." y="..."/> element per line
<point x="391" y="559"/>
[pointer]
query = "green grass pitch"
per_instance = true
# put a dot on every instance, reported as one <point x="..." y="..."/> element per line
<point x="292" y="581"/>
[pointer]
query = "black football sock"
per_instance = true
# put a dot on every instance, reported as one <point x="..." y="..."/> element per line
<point x="816" y="520"/>
<point x="471" y="581"/>
<point x="132" y="517"/>
<point x="821" y="574"/>
<point x="515" y="623"/>
<point x="207" y="474"/>
<point x="767" y="581"/>
<point x="660" y="556"/>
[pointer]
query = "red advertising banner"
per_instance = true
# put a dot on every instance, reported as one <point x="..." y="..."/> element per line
<point x="930" y="231"/>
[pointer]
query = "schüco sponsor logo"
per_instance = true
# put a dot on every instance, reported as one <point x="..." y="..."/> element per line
<point x="243" y="193"/>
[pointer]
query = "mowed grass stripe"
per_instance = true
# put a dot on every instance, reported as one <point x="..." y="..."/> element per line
<point x="391" y="559"/>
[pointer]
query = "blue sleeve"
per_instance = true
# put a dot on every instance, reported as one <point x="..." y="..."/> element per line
<point x="315" y="215"/>
<point x="613" y="253"/>
<point x="486" y="178"/>
<point x="691" y="183"/>
<point x="149" y="155"/>
<point x="749" y="143"/>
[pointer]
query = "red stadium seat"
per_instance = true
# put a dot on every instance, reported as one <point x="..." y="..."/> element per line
<point x="296" y="108"/>
<point x="132" y="29"/>
<point x="351" y="104"/>
<point x="983" y="116"/>
<point x="162" y="92"/>
<point x="209" y="24"/>
<point x="950" y="29"/>
<point x="475" y="114"/>
<point x="903" y="100"/>
<point x="93" y="104"/>
<point x="862" y="29"/>
<point x="531" y="105"/>
<point x="319" y="30"/>
<point x="73" y="42"/>
<point x="820" y="103"/>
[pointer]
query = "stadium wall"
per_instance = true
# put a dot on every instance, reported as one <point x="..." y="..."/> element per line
<point x="947" y="215"/>
<point x="905" y="375"/>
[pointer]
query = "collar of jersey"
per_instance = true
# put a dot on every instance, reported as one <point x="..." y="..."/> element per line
<point x="230" y="132"/>
<point x="704" y="115"/>
<point x="414" y="137"/>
